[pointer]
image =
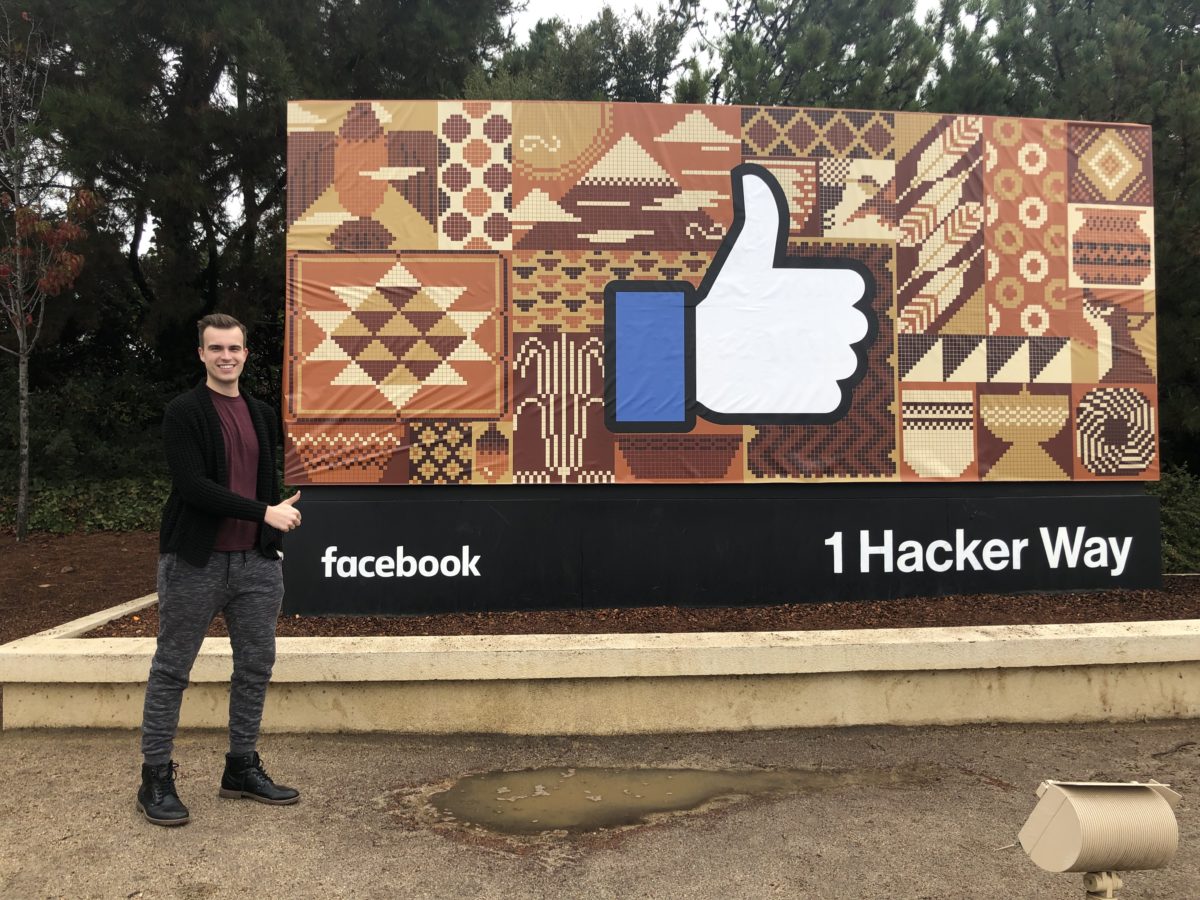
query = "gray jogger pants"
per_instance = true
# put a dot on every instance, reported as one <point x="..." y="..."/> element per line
<point x="248" y="588"/>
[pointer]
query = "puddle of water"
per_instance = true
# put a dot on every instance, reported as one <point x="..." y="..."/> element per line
<point x="588" y="799"/>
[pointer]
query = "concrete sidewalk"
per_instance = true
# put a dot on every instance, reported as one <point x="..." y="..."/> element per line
<point x="68" y="826"/>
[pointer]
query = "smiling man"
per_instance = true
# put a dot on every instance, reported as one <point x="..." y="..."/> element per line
<point x="219" y="552"/>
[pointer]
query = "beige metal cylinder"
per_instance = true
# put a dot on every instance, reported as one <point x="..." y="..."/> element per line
<point x="1090" y="828"/>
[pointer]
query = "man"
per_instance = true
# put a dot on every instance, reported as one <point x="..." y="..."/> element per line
<point x="218" y="553"/>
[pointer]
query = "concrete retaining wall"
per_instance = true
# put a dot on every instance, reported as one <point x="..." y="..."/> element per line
<point x="606" y="683"/>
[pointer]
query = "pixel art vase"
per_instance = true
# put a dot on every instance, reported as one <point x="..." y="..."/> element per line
<point x="939" y="432"/>
<point x="1025" y="420"/>
<point x="1111" y="247"/>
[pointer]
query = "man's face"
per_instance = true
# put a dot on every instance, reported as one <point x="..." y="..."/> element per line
<point x="223" y="354"/>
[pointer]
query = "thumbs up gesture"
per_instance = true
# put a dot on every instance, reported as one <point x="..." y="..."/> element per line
<point x="767" y="338"/>
<point x="284" y="516"/>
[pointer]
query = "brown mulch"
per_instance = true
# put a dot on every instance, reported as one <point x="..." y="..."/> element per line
<point x="1178" y="599"/>
<point x="50" y="579"/>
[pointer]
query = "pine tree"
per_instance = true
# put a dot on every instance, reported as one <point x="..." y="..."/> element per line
<point x="866" y="54"/>
<point x="178" y="117"/>
<point x="608" y="58"/>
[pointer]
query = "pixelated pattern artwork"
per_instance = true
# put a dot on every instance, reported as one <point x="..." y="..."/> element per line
<point x="800" y="181"/>
<point x="937" y="433"/>
<point x="558" y="431"/>
<point x="1116" y="433"/>
<point x="361" y="177"/>
<point x="1024" y="433"/>
<point x="1109" y="164"/>
<point x="817" y="133"/>
<point x="565" y="288"/>
<point x="491" y="444"/>
<point x="347" y="452"/>
<point x="858" y="199"/>
<point x="940" y="208"/>
<point x="863" y="443"/>
<point x="440" y="452"/>
<point x="681" y="457"/>
<point x="1025" y="229"/>
<point x="969" y="358"/>
<point x="474" y="176"/>
<point x="1110" y="246"/>
<point x="638" y="177"/>
<point x="1122" y="350"/>
<point x="448" y="264"/>
<point x="397" y="335"/>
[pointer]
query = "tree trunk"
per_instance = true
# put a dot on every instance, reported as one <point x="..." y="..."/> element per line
<point x="23" y="442"/>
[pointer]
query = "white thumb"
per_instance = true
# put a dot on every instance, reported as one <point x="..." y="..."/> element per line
<point x="763" y="218"/>
<point x="291" y="501"/>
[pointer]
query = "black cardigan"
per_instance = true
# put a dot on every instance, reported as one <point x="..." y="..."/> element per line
<point x="200" y="497"/>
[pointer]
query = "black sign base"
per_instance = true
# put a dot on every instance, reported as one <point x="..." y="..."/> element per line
<point x="395" y="551"/>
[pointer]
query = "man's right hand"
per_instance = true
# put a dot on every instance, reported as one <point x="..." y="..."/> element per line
<point x="284" y="516"/>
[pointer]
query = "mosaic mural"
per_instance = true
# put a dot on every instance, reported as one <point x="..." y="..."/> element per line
<point x="587" y="293"/>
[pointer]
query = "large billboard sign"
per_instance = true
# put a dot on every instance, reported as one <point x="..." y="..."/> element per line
<point x="713" y="355"/>
<point x="594" y="293"/>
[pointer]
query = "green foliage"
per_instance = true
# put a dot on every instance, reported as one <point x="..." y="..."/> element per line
<point x="1179" y="502"/>
<point x="864" y="54"/>
<point x="694" y="84"/>
<point x="94" y="413"/>
<point x="123" y="504"/>
<point x="175" y="113"/>
<point x="606" y="59"/>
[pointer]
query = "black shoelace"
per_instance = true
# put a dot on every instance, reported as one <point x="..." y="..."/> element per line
<point x="164" y="786"/>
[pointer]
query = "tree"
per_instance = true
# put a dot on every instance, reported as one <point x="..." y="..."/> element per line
<point x="180" y="123"/>
<point x="37" y="234"/>
<point x="865" y="54"/>
<point x="608" y="58"/>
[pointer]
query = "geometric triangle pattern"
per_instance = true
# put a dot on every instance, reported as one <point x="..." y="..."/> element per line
<point x="966" y="359"/>
<point x="400" y="335"/>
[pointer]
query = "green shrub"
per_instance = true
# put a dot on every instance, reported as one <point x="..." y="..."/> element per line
<point x="121" y="504"/>
<point x="1178" y="495"/>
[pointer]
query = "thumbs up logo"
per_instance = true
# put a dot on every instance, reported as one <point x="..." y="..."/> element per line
<point x="766" y="338"/>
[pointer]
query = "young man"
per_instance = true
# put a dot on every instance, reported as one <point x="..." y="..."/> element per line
<point x="218" y="553"/>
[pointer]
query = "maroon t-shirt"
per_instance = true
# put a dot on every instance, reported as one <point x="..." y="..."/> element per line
<point x="241" y="461"/>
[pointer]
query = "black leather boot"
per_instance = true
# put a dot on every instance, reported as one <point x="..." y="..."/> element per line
<point x="245" y="777"/>
<point x="156" y="797"/>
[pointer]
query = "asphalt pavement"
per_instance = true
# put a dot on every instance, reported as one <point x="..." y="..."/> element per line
<point x="912" y="813"/>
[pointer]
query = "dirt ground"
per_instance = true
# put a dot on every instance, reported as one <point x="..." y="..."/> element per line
<point x="50" y="579"/>
<point x="912" y="813"/>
